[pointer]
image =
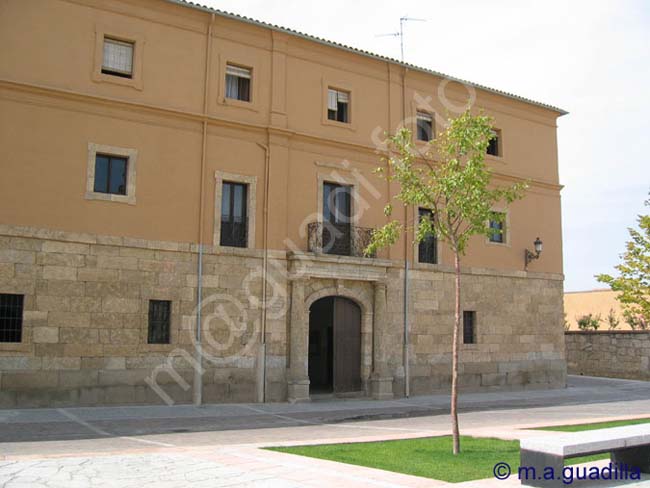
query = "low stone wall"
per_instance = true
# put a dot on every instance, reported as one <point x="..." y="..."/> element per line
<point x="614" y="354"/>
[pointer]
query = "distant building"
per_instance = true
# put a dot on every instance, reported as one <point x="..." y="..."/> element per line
<point x="595" y="302"/>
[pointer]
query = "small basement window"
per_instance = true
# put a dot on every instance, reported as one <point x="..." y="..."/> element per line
<point x="338" y="105"/>
<point x="11" y="317"/>
<point x="159" y="321"/>
<point x="118" y="58"/>
<point x="469" y="327"/>
<point x="238" y="83"/>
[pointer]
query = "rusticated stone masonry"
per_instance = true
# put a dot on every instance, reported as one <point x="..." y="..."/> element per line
<point x="613" y="354"/>
<point x="85" y="322"/>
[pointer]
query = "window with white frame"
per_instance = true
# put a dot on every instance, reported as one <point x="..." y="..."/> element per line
<point x="424" y="126"/>
<point x="118" y="58"/>
<point x="238" y="83"/>
<point x="338" y="105"/>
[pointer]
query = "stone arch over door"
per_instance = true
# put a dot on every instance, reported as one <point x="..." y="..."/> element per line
<point x="363" y="301"/>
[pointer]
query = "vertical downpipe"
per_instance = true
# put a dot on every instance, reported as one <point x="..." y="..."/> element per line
<point x="197" y="388"/>
<point x="407" y="381"/>
<point x="261" y="356"/>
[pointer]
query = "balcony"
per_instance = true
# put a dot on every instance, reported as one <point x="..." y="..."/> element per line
<point x="338" y="239"/>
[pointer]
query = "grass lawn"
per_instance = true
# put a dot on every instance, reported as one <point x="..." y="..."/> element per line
<point x="429" y="457"/>
<point x="598" y="425"/>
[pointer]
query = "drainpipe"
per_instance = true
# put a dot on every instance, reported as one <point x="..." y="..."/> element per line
<point x="407" y="379"/>
<point x="197" y="389"/>
<point x="261" y="356"/>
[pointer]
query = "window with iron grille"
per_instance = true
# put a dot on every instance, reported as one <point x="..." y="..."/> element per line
<point x="234" y="218"/>
<point x="11" y="317"/>
<point x="469" y="327"/>
<point x="159" y="321"/>
<point x="110" y="174"/>
<point x="338" y="105"/>
<point x="424" y="126"/>
<point x="498" y="227"/>
<point x="428" y="247"/>
<point x="238" y="83"/>
<point x="118" y="58"/>
<point x="494" y="146"/>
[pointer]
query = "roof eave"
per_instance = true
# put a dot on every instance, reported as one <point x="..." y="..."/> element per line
<point x="286" y="30"/>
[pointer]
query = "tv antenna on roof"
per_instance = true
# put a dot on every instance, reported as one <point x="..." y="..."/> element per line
<point x="400" y="34"/>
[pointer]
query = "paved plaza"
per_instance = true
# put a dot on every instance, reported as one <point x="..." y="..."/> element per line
<point x="219" y="445"/>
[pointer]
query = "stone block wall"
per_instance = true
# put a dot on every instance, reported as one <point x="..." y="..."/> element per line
<point x="86" y="316"/>
<point x="613" y="354"/>
<point x="519" y="334"/>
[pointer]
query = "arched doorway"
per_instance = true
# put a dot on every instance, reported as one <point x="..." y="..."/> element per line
<point x="334" y="346"/>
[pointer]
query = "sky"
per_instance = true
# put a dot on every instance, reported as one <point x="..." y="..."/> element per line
<point x="591" y="58"/>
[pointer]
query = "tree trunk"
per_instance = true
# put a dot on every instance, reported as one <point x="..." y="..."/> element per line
<point x="454" y="360"/>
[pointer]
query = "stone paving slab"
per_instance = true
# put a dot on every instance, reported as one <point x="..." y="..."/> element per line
<point x="118" y="451"/>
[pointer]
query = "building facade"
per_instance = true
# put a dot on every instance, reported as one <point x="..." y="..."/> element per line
<point x="185" y="199"/>
<point x="601" y="304"/>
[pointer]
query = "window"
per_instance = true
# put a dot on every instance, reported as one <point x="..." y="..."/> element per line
<point x="498" y="227"/>
<point x="234" y="221"/>
<point x="159" y="321"/>
<point x="110" y="174"/>
<point x="118" y="58"/>
<point x="11" y="318"/>
<point x="469" y="327"/>
<point x="427" y="248"/>
<point x="494" y="146"/>
<point x="338" y="105"/>
<point x="337" y="211"/>
<point x="238" y="83"/>
<point x="424" y="126"/>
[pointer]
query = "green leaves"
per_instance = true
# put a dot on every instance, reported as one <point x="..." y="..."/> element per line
<point x="452" y="180"/>
<point x="633" y="282"/>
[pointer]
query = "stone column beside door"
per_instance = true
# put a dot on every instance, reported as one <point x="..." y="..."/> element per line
<point x="298" y="378"/>
<point x="381" y="380"/>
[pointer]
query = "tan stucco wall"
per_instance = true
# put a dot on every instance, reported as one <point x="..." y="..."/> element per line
<point x="51" y="107"/>
<point x="596" y="302"/>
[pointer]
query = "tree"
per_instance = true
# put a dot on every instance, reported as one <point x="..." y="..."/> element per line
<point x="633" y="282"/>
<point x="452" y="180"/>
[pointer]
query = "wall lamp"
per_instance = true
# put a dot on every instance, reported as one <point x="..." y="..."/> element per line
<point x="530" y="256"/>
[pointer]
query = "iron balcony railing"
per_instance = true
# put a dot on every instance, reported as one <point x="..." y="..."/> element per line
<point x="339" y="239"/>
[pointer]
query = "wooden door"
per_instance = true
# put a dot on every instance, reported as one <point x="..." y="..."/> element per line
<point x="347" y="345"/>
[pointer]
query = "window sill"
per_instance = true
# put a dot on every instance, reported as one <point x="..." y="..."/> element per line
<point x="498" y="244"/>
<point x="23" y="347"/>
<point x="108" y="197"/>
<point x="495" y="159"/>
<point x="117" y="80"/>
<point x="156" y="347"/>
<point x="233" y="102"/>
<point x="341" y="125"/>
<point x="428" y="266"/>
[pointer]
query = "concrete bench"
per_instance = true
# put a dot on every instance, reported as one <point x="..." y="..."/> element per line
<point x="627" y="445"/>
